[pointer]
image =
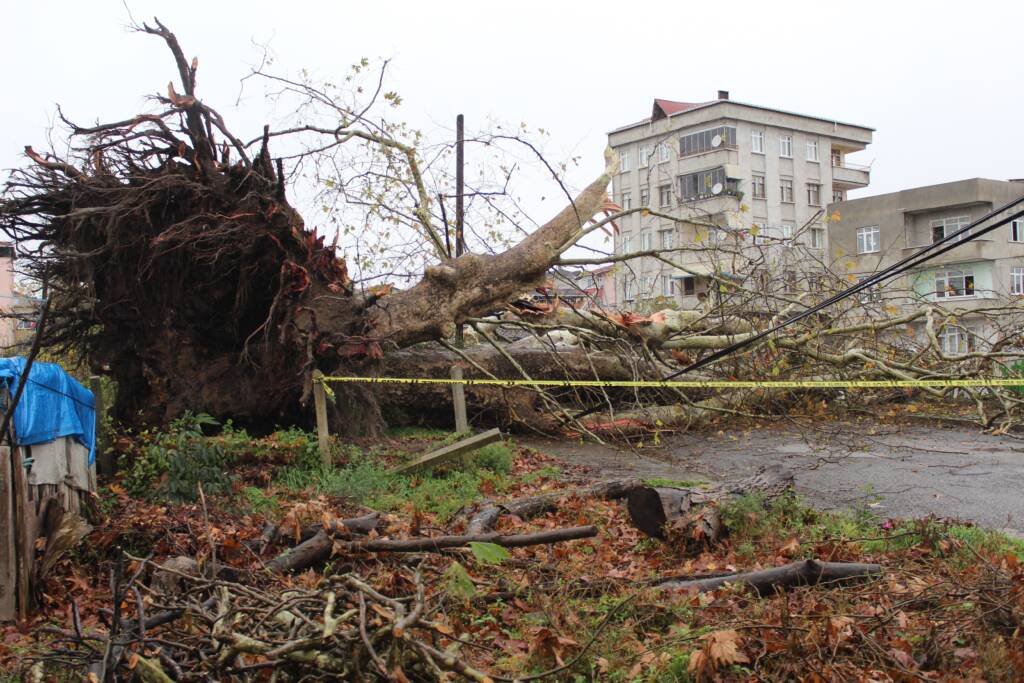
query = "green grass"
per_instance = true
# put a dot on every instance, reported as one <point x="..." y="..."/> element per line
<point x="748" y="519"/>
<point x="365" y="480"/>
<point x="412" y="432"/>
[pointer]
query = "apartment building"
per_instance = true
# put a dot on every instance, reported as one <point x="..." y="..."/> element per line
<point x="872" y="233"/>
<point x="728" y="172"/>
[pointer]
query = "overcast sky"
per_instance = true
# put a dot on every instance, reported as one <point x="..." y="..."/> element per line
<point x="940" y="81"/>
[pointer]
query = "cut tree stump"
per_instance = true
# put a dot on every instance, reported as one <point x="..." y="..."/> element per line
<point x="449" y="453"/>
<point x="766" y="581"/>
<point x="693" y="513"/>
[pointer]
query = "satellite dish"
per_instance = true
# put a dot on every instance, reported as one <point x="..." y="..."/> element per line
<point x="717" y="188"/>
<point x="716" y="141"/>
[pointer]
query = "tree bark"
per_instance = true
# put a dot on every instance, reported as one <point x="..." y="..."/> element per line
<point x="484" y="519"/>
<point x="764" y="582"/>
<point x="692" y="514"/>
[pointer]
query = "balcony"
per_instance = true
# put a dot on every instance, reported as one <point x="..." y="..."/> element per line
<point x="849" y="176"/>
<point x="977" y="249"/>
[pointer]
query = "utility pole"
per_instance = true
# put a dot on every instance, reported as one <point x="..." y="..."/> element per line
<point x="459" y="390"/>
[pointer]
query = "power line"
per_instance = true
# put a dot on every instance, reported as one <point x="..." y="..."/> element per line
<point x="923" y="255"/>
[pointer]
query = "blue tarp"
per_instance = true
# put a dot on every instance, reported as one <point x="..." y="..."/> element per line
<point x="54" y="404"/>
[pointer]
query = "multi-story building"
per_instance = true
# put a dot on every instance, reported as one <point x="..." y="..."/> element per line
<point x="724" y="171"/>
<point x="872" y="233"/>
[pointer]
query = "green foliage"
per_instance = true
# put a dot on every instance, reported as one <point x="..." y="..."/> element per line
<point x="173" y="463"/>
<point x="259" y="502"/>
<point x="457" y="582"/>
<point x="364" y="479"/>
<point x="496" y="457"/>
<point x="1016" y="369"/>
<point x="489" y="553"/>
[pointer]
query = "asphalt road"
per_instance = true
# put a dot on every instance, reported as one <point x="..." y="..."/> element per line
<point x="899" y="471"/>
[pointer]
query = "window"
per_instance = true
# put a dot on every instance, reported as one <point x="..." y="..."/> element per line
<point x="645" y="196"/>
<point x="944" y="227"/>
<point x="624" y="159"/>
<point x="646" y="287"/>
<point x="1017" y="280"/>
<point x="665" y="237"/>
<point x="757" y="141"/>
<point x="789" y="281"/>
<point x="868" y="239"/>
<point x="627" y="243"/>
<point x="627" y="200"/>
<point x="645" y="241"/>
<point x="707" y="140"/>
<point x="689" y="285"/>
<point x="703" y="184"/>
<point x="666" y="285"/>
<point x="954" y="283"/>
<point x="663" y="153"/>
<point x="757" y="186"/>
<point x="816" y="282"/>
<point x="628" y="288"/>
<point x="26" y="324"/>
<point x="955" y="341"/>
<point x="786" y="146"/>
<point x="787" y="229"/>
<point x="837" y="158"/>
<point x="814" y="194"/>
<point x="645" y="154"/>
<point x="665" y="195"/>
<point x="786" y="188"/>
<point x="1017" y="230"/>
<point x="838" y="196"/>
<point x="817" y="237"/>
<point x="812" y="150"/>
<point x="869" y="295"/>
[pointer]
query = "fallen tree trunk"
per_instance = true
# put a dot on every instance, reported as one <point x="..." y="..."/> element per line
<point x="485" y="518"/>
<point x="416" y="545"/>
<point x="356" y="525"/>
<point x="766" y="581"/>
<point x="692" y="514"/>
<point x="322" y="545"/>
<point x="317" y="542"/>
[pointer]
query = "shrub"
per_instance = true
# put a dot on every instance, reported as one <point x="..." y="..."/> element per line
<point x="173" y="463"/>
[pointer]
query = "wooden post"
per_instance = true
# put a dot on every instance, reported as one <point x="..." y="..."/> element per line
<point x="104" y="460"/>
<point x="8" y="560"/>
<point x="459" y="401"/>
<point x="322" y="434"/>
<point x="23" y="551"/>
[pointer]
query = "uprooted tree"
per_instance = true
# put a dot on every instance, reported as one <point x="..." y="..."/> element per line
<point x="177" y="265"/>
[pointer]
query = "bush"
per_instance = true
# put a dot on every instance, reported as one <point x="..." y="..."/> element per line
<point x="496" y="457"/>
<point x="173" y="463"/>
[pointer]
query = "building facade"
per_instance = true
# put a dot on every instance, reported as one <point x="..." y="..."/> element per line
<point x="723" y="171"/>
<point x="987" y="272"/>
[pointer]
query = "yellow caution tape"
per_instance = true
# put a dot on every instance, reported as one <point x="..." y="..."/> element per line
<point x="696" y="384"/>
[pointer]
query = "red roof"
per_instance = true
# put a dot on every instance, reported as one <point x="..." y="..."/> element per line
<point x="663" y="108"/>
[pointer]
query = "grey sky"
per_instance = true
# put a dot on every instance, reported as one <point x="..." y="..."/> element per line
<point x="941" y="82"/>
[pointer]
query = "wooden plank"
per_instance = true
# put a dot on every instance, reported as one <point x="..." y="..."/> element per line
<point x="8" y="568"/>
<point x="23" y="550"/>
<point x="104" y="460"/>
<point x="323" y="436"/>
<point x="449" y="453"/>
<point x="459" y="401"/>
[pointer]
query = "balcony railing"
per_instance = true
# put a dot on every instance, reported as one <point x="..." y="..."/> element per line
<point x="852" y="167"/>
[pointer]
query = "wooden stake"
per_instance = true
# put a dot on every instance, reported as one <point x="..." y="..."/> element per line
<point x="104" y="460"/>
<point x="459" y="401"/>
<point x="8" y="560"/>
<point x="461" y="449"/>
<point x="322" y="434"/>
